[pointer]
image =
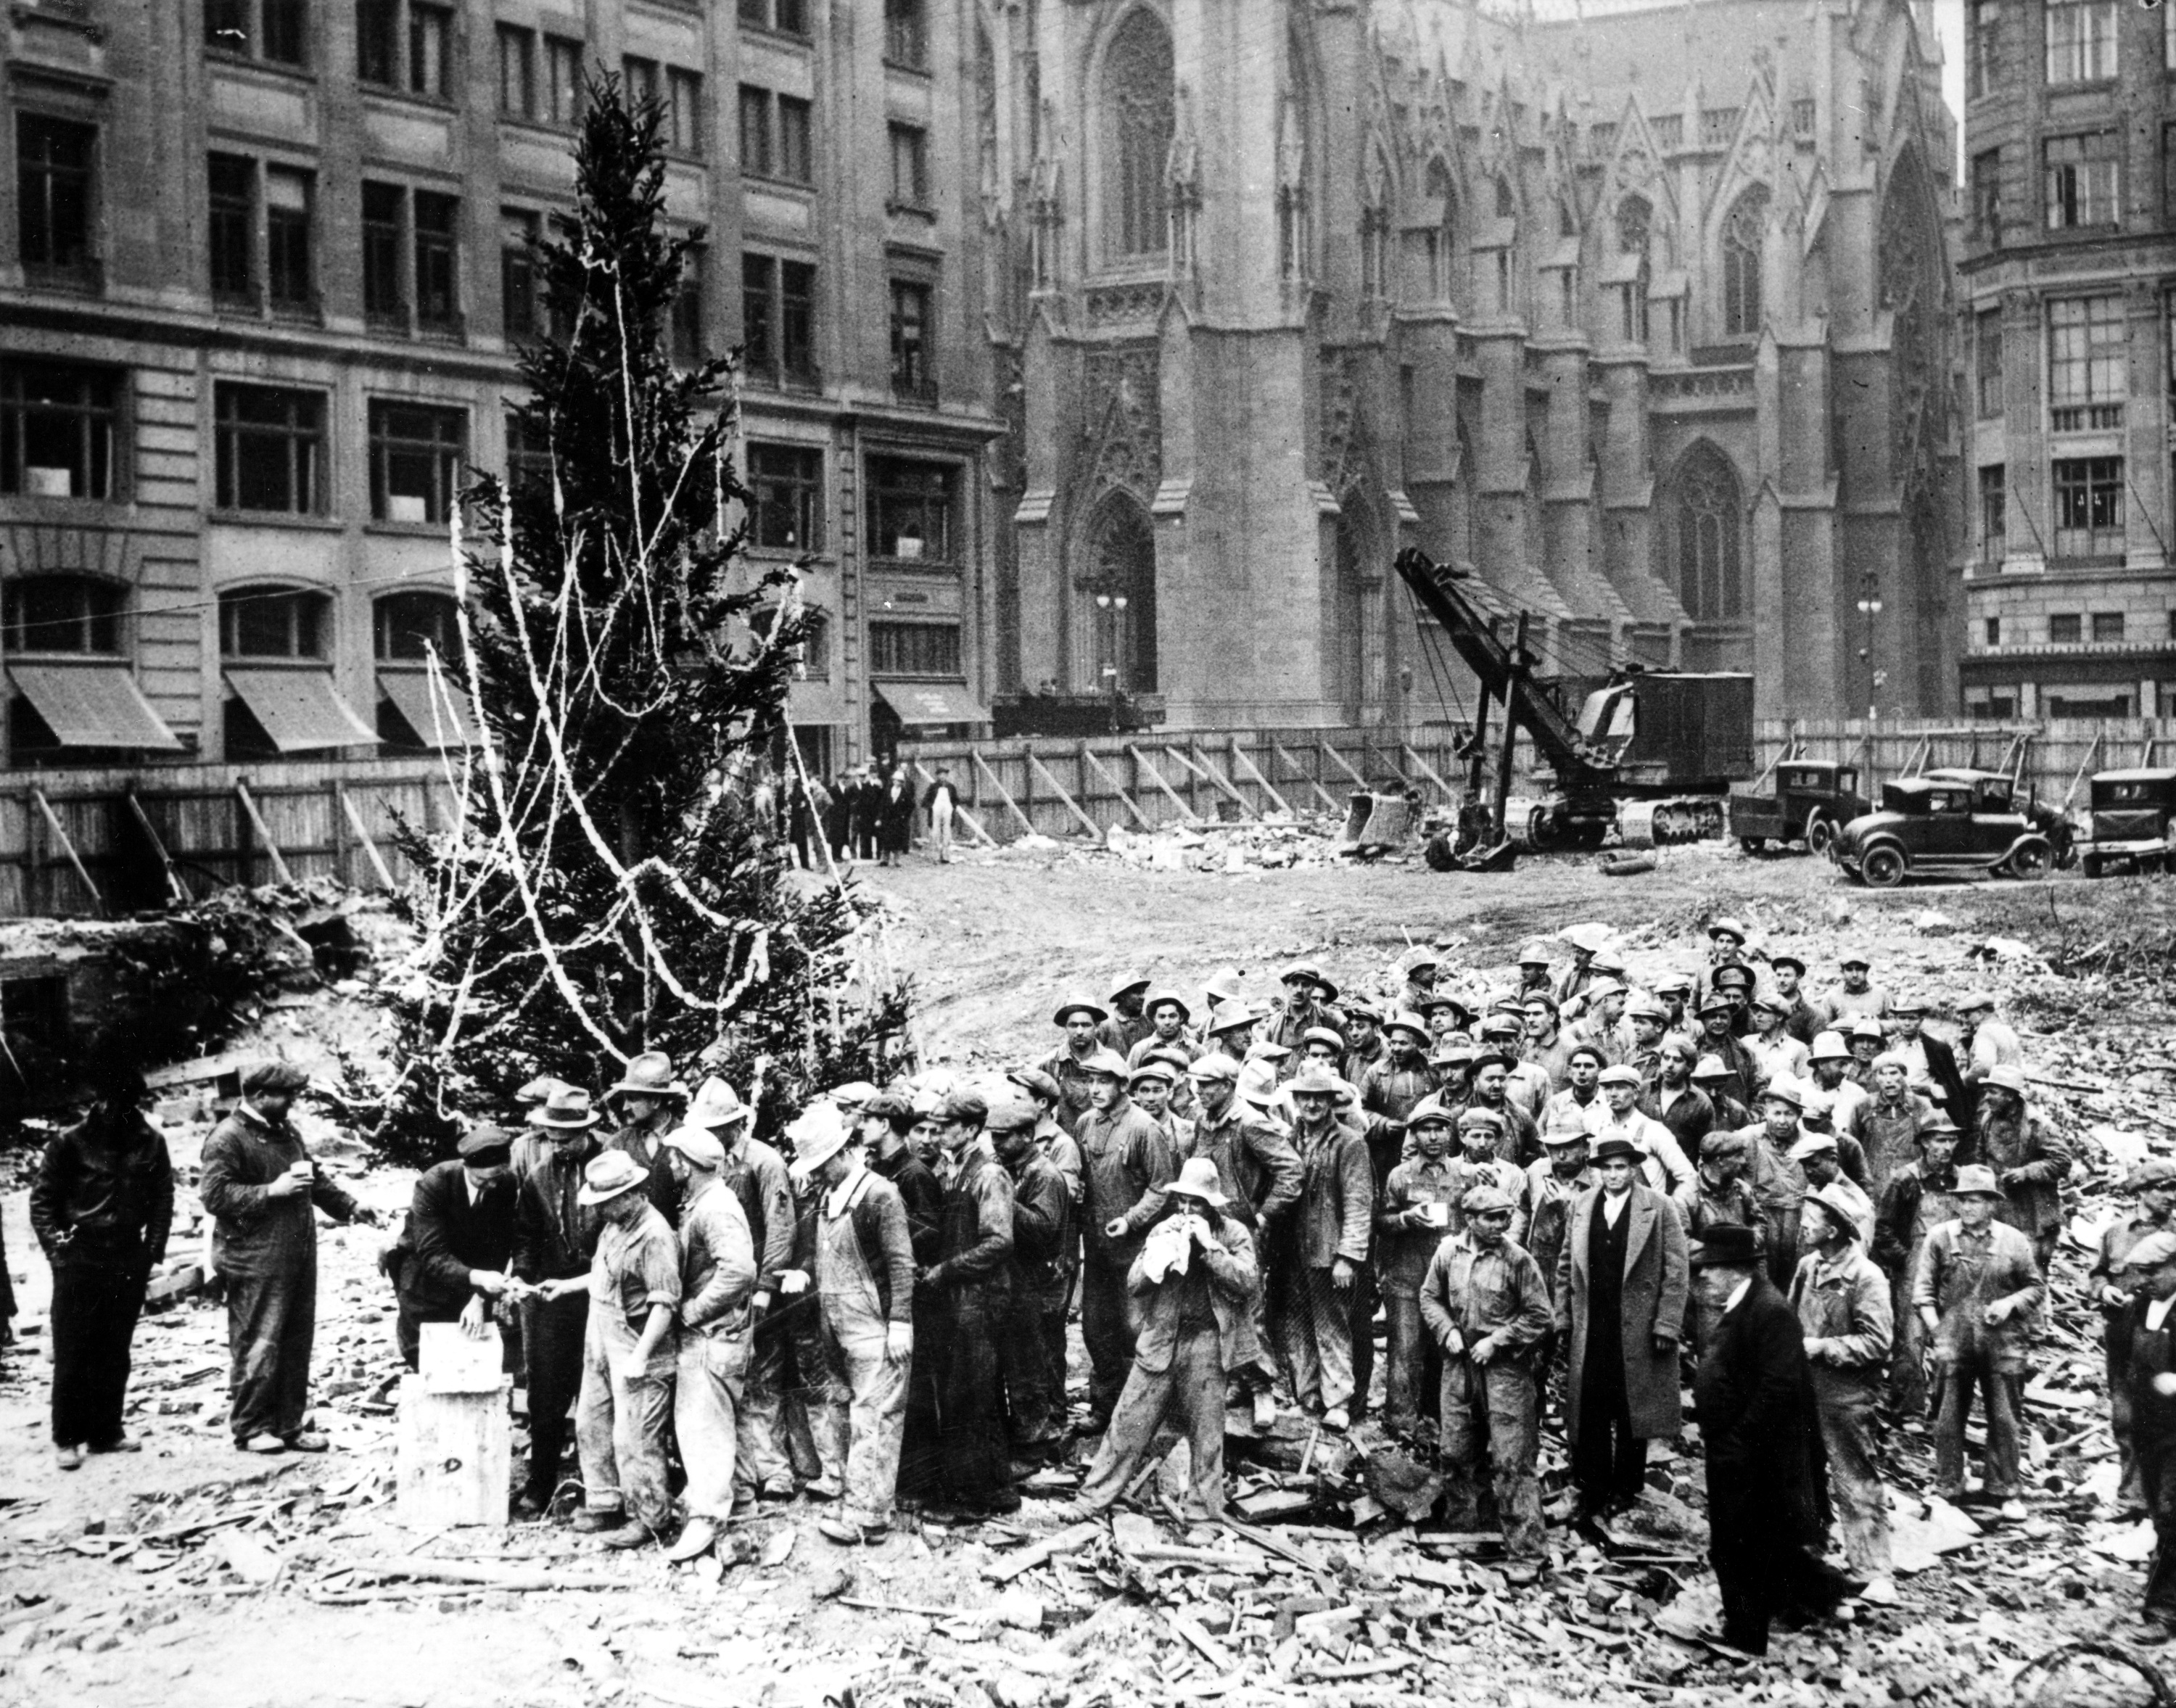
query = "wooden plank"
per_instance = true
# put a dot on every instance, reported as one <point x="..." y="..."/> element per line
<point x="1240" y="756"/>
<point x="1070" y="1540"/>
<point x="1155" y="776"/>
<point x="1004" y="793"/>
<point x="1427" y="771"/>
<point x="177" y="890"/>
<point x="67" y="847"/>
<point x="1117" y="788"/>
<point x="1195" y="763"/>
<point x="1307" y="777"/>
<point x="1338" y="760"/>
<point x="264" y="831"/>
<point x="363" y="836"/>
<point x="959" y="808"/>
<point x="1036" y="764"/>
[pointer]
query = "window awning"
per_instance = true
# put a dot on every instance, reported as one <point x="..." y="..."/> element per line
<point x="94" y="705"/>
<point x="933" y="703"/>
<point x="440" y="718"/>
<point x="301" y="709"/>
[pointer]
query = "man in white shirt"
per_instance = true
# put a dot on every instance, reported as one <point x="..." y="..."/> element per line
<point x="1665" y="1166"/>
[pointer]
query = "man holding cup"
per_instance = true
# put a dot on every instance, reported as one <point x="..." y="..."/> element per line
<point x="1411" y="1223"/>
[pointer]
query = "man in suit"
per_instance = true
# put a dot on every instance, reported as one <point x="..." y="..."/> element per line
<point x="1767" y="1504"/>
<point x="1620" y="1304"/>
<point x="2149" y="1272"/>
<point x="1930" y="1064"/>
<point x="450" y="1263"/>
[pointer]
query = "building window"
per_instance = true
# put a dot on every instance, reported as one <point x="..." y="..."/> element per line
<point x="1987" y="326"/>
<point x="906" y="34"/>
<point x="786" y="485"/>
<point x="639" y="76"/>
<point x="1744" y="237"/>
<point x="775" y="136"/>
<point x="910" y="510"/>
<point x="683" y="112"/>
<point x="528" y="454"/>
<point x="2081" y="180"/>
<point x="1718" y="125"/>
<point x="64" y="613"/>
<point x="1983" y="46"/>
<point x="1987" y="197"/>
<point x="1993" y="514"/>
<point x="384" y="301"/>
<point x="689" y="339"/>
<point x="2107" y="625"/>
<point x="520" y="293"/>
<point x="2088" y="360"/>
<point x="910" y="166"/>
<point x="60" y="430"/>
<point x="233" y="227"/>
<point x="787" y="17"/>
<point x="913" y="369"/>
<point x="271" y="446"/>
<point x="290" y="273"/>
<point x="2065" y="629"/>
<point x="914" y="649"/>
<point x="274" y="623"/>
<point x="517" y="72"/>
<point x="562" y="91"/>
<point x="1993" y="631"/>
<point x="415" y="456"/>
<point x="54" y="191"/>
<point x="438" y="261"/>
<point x="1139" y="119"/>
<point x="2080" y="40"/>
<point x="1635" y="219"/>
<point x="405" y="45"/>
<point x="276" y="30"/>
<point x="1709" y="523"/>
<point x="408" y="628"/>
<point x="778" y="318"/>
<point x="2088" y="508"/>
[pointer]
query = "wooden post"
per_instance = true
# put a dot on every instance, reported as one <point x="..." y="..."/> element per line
<point x="1427" y="771"/>
<point x="263" y="832"/>
<point x="2070" y="794"/>
<point x="959" y="811"/>
<point x="176" y="891"/>
<point x="1049" y="776"/>
<point x="1142" y="760"/>
<point x="1004" y="793"/>
<point x="67" y="847"/>
<point x="1305" y="776"/>
<point x="1240" y="756"/>
<point x="1117" y="788"/>
<point x="354" y="817"/>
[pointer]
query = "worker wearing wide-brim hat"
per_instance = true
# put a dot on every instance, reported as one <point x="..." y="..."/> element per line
<point x="1128" y="1022"/>
<point x="649" y="1100"/>
<point x="1127" y="1157"/>
<point x="1081" y="1019"/>
<point x="1309" y="993"/>
<point x="1331" y="1228"/>
<point x="2030" y="1159"/>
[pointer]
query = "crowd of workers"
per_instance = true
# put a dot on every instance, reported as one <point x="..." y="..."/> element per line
<point x="1570" y="1192"/>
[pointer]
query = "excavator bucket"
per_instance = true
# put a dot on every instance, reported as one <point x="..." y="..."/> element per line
<point x="1375" y="822"/>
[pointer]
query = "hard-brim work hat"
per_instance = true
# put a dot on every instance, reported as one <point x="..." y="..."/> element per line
<point x="648" y="1074"/>
<point x="1726" y="1243"/>
<point x="565" y="1108"/>
<point x="1198" y="1178"/>
<point x="607" y="1175"/>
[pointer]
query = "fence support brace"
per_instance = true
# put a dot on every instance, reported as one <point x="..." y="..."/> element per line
<point x="1338" y="760"/>
<point x="1072" y="806"/>
<point x="1117" y="788"/>
<point x="263" y="832"/>
<point x="1005" y="794"/>
<point x="1186" y="813"/>
<point x="362" y="834"/>
<point x="1428" y="771"/>
<point x="1239" y="758"/>
<point x="176" y="891"/>
<point x="67" y="847"/>
<point x="1308" y="777"/>
<point x="1201" y="768"/>
<point x="959" y="811"/>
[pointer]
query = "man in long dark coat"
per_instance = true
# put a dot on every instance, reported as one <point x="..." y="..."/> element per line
<point x="1767" y="1502"/>
<point x="452" y="1262"/>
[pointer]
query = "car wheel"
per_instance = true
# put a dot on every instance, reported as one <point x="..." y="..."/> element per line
<point x="1751" y="845"/>
<point x="1884" y="867"/>
<point x="2031" y="860"/>
<point x="1821" y="831"/>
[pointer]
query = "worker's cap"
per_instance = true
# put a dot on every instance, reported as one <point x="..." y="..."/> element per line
<point x="2156" y="1174"/>
<point x="853" y="1096"/>
<point x="1154" y="1067"/>
<point x="1891" y="1058"/>
<point x="1159" y="998"/>
<point x="1079" y="1005"/>
<point x="1267" y="1050"/>
<point x="1853" y="957"/>
<point x="1566" y="1131"/>
<point x="1215" y="1065"/>
<point x="1540" y="999"/>
<point x="1430" y="1111"/>
<point x="1454" y="1051"/>
<point x="1674" y="984"/>
<point x="1222" y="986"/>
<point x="1473" y="1117"/>
<point x="1325" y="987"/>
<point x="1647" y="1007"/>
<point x="608" y="1174"/>
<point x="1107" y="1065"/>
<point x="1787" y="958"/>
<point x="716" y="1104"/>
<point x="1617" y="1148"/>
<point x="1608" y="961"/>
<point x="1485" y="1199"/>
<point x="1197" y="1179"/>
<point x="1605" y="987"/>
<point x="1835" y="1200"/>
<point x="273" y="1076"/>
<point x="1503" y="1025"/>
<point x="1726" y="927"/>
<point x="1907" y="1003"/>
<point x="1406" y="1020"/>
<point x="1812" y="1144"/>
<point x="1324" y="1035"/>
<point x="1301" y="972"/>
<point x="1314" y="1080"/>
<point x="817" y="1134"/>
<point x="1771" y="1003"/>
<point x="2150" y="1253"/>
<point x="1732" y="977"/>
<point x="537" y="1091"/>
<point x="1128" y="983"/>
<point x="1727" y="1244"/>
<point x="1819" y="1108"/>
<point x="1037" y="1084"/>
<point x="1710" y="1067"/>
<point x="2007" y="1078"/>
<point x="1590" y="1050"/>
<point x="1011" y="1112"/>
<point x="1494" y="1058"/>
<point x="1716" y="1001"/>
<point x="1619" y="1073"/>
<point x="1725" y="1147"/>
<point x="1436" y="1000"/>
<point x="1589" y="935"/>
<point x="1975" y="1002"/>
<point x="486" y="1147"/>
<point x="699" y="1145"/>
<point x="1359" y="1007"/>
<point x="1975" y="1182"/>
<point x="1534" y="954"/>
<point x="1865" y="1027"/>
<point x="1936" y="1123"/>
<point x="1257" y="1084"/>
<point x="895" y="1106"/>
<point x="567" y="1109"/>
<point x="1783" y="1089"/>
<point x="1419" y="956"/>
<point x="966" y="1108"/>
<point x="1829" y="1046"/>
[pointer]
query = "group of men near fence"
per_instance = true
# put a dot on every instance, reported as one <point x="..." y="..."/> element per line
<point x="1831" y="1213"/>
<point x="867" y="813"/>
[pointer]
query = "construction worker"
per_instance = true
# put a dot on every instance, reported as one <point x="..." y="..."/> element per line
<point x="1854" y="996"/>
<point x="1415" y="981"/>
<point x="717" y="1278"/>
<point x="1775" y="1054"/>
<point x="1126" y="1157"/>
<point x="1363" y="1039"/>
<point x="2029" y="1163"/>
<point x="1480" y="1161"/>
<point x="1323" y="1251"/>
<point x="2150" y="1271"/>
<point x="2154" y="1184"/>
<point x="1128" y="1022"/>
<point x="1167" y="1015"/>
<point x="1486" y="1308"/>
<point x="1801" y="1020"/>
<point x="648" y="1100"/>
<point x="1918" y="1196"/>
<point x="1815" y="1154"/>
<point x="1031" y="1347"/>
<point x="1580" y="1102"/>
<point x="971" y="1281"/>
<point x="1390" y="1089"/>
<point x="554" y="1238"/>
<point x="1521" y="1139"/>
<point x="1551" y="1186"/>
<point x="1412" y="1219"/>
<point x="1828" y="1064"/>
<point x="1665" y="1165"/>
<point x="1079" y="1019"/>
<point x="1534" y="961"/>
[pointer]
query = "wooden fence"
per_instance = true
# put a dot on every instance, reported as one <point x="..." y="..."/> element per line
<point x="116" y="842"/>
<point x="2057" y="759"/>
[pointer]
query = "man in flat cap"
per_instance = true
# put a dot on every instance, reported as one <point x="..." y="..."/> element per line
<point x="1412" y="1218"/>
<point x="1930" y="1065"/>
<point x="1580" y="1103"/>
<point x="1389" y="1089"/>
<point x="1665" y="1164"/>
<point x="1323" y="1249"/>
<point x="1491" y="1090"/>
<point x="1081" y="1020"/>
<point x="1364" y="1047"/>
<point x="1126" y="1157"/>
<point x="1985" y="1040"/>
<point x="260" y="1187"/>
<point x="1854" y="996"/>
<point x="1486" y="1308"/>
<point x="1801" y="1020"/>
<point x="1777" y="1055"/>
<point x="1675" y="1100"/>
<point x="452" y="1260"/>
<point x="1604" y="1027"/>
<point x="717" y="1279"/>
<point x="1888" y="1122"/>
<point x="1918" y="1198"/>
<point x="2152" y="1184"/>
<point x="2150" y="1269"/>
<point x="1816" y="1155"/>
<point x="1554" y="1185"/>
<point x="2029" y="1161"/>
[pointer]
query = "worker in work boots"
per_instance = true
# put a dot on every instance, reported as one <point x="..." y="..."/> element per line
<point x="1127" y="1156"/>
<point x="1325" y="1249"/>
<point x="1194" y="1275"/>
<point x="2029" y="1161"/>
<point x="648" y="1100"/>
<point x="2154" y="1184"/>
<point x="717" y="1279"/>
<point x="1918" y="1198"/>
<point x="1413" y="1217"/>
<point x="1486" y="1309"/>
<point x="1030" y="1346"/>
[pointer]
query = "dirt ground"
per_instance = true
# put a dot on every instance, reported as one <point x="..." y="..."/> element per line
<point x="118" y="1586"/>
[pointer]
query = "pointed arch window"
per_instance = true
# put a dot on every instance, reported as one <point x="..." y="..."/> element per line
<point x="1635" y="224"/>
<point x="1710" y="524"/>
<point x="1507" y="206"/>
<point x="1431" y="239"/>
<point x="1139" y="120"/>
<point x="1744" y="236"/>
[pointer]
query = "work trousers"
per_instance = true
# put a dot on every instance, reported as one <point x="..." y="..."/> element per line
<point x="1361" y="1304"/>
<point x="1907" y="1360"/>
<point x="975" y="1464"/>
<point x="554" y="1332"/>
<point x="2130" y="1492"/>
<point x="1189" y="1393"/>
<point x="271" y="1324"/>
<point x="1107" y="1324"/>
<point x="1609" y="1461"/>
<point x="1413" y="1362"/>
<point x="707" y="1382"/>
<point x="620" y="1426"/>
<point x="940" y="828"/>
<point x="1491" y="1424"/>
<point x="93" y="1317"/>
<point x="863" y="1416"/>
<point x="1861" y="1502"/>
<point x="1314" y="1332"/>
<point x="762" y="1462"/>
<point x="1035" y="1386"/>
<point x="2001" y="1388"/>
<point x="2157" y="1470"/>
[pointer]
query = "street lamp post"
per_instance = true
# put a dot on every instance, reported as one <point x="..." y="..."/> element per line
<point x="1869" y="607"/>
<point x="1112" y="606"/>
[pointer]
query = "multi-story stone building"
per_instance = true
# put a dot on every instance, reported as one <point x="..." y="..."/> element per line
<point x="1646" y="314"/>
<point x="2069" y="266"/>
<point x="261" y="272"/>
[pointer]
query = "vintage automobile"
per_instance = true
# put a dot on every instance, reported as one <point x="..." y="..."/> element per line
<point x="1812" y="799"/>
<point x="1956" y="823"/>
<point x="2133" y="821"/>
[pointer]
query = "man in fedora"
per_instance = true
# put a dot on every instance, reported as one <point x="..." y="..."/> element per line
<point x="629" y="1361"/>
<point x="1081" y="1020"/>
<point x="553" y="1239"/>
<point x="260" y="1187"/>
<point x="451" y="1262"/>
<point x="1976" y="1290"/>
<point x="717" y="1275"/>
<point x="649" y="1099"/>
<point x="1128" y="1023"/>
<point x="1760" y="1431"/>
<point x="2029" y="1161"/>
<point x="1195" y="1277"/>
<point x="1486" y="1308"/>
<point x="1127" y="1157"/>
<point x="1620" y="1309"/>
<point x="1323" y="1250"/>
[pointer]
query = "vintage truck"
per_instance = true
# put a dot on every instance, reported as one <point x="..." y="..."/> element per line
<point x="1811" y="800"/>
<point x="2134" y="822"/>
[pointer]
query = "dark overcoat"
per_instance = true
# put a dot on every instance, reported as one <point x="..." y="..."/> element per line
<point x="1654" y="1303"/>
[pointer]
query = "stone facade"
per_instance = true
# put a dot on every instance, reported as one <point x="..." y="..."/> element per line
<point x="2068" y="330"/>
<point x="1647" y="317"/>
